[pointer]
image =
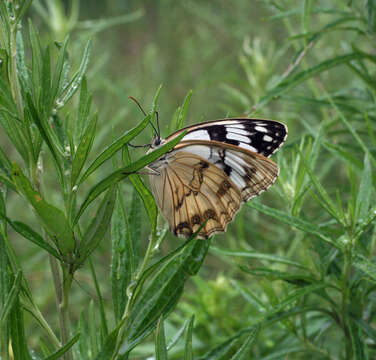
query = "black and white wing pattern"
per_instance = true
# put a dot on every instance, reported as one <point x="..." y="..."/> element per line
<point x="216" y="167"/>
<point x="261" y="136"/>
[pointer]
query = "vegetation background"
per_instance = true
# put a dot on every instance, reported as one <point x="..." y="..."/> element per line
<point x="87" y="271"/>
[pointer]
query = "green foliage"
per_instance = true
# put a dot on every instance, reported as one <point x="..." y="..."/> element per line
<point x="293" y="276"/>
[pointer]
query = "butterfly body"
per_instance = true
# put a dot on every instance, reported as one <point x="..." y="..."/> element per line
<point x="216" y="167"/>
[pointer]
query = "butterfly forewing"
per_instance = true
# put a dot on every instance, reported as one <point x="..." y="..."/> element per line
<point x="217" y="166"/>
<point x="258" y="135"/>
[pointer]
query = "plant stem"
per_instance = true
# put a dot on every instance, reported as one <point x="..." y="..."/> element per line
<point x="62" y="288"/>
<point x="345" y="296"/>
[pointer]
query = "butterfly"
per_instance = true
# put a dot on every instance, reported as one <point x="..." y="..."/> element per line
<point x="215" y="168"/>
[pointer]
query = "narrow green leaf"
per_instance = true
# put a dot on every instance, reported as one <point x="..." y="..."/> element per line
<point x="44" y="105"/>
<point x="223" y="351"/>
<point x="102" y="24"/>
<point x="254" y="255"/>
<point x="144" y="193"/>
<point x="109" y="346"/>
<point x="324" y="199"/>
<point x="307" y="13"/>
<point x="371" y="10"/>
<point x="71" y="88"/>
<point x="83" y="109"/>
<point x="359" y="348"/>
<point x="366" y="328"/>
<point x="177" y="336"/>
<point x="93" y="329"/>
<point x="16" y="325"/>
<point x="298" y="223"/>
<point x="53" y="219"/>
<point x="102" y="312"/>
<point x="49" y="138"/>
<point x="36" y="61"/>
<point x="122" y="254"/>
<point x="83" y="149"/>
<point x="244" y="351"/>
<point x="183" y="110"/>
<point x="343" y="153"/>
<point x="302" y="76"/>
<point x="121" y="174"/>
<point x="135" y="219"/>
<point x="160" y="341"/>
<point x="188" y="350"/>
<point x="156" y="97"/>
<point x="366" y="266"/>
<point x="115" y="146"/>
<point x="10" y="300"/>
<point x="22" y="10"/>
<point x="98" y="226"/>
<point x="58" y="74"/>
<point x="59" y="353"/>
<point x="28" y="233"/>
<point x="352" y="130"/>
<point x="363" y="196"/>
<point x="296" y="279"/>
<point x="13" y="128"/>
<point x="5" y="164"/>
<point x="297" y="294"/>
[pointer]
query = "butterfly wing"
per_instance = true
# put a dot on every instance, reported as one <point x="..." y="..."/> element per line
<point x="207" y="181"/>
<point x="258" y="135"/>
<point x="190" y="191"/>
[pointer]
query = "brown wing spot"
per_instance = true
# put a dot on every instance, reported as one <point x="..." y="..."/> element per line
<point x="196" y="219"/>
<point x="198" y="174"/>
<point x="180" y="201"/>
<point x="183" y="228"/>
<point x="203" y="165"/>
<point x="210" y="214"/>
<point x="223" y="188"/>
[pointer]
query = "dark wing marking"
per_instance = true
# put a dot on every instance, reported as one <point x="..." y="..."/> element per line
<point x="258" y="135"/>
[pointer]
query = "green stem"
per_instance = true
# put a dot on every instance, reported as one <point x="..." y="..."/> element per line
<point x="345" y="297"/>
<point x="62" y="288"/>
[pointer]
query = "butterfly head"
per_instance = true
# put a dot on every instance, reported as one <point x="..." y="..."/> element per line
<point x="156" y="142"/>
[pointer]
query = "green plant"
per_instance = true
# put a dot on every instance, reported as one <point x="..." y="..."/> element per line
<point x="294" y="274"/>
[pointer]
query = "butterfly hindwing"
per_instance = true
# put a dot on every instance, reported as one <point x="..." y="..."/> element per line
<point x="191" y="191"/>
<point x="258" y="135"/>
<point x="251" y="173"/>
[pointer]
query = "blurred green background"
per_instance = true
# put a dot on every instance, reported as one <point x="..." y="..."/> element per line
<point x="231" y="54"/>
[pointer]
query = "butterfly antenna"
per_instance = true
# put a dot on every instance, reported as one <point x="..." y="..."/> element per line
<point x="138" y="104"/>
<point x="159" y="129"/>
<point x="143" y="111"/>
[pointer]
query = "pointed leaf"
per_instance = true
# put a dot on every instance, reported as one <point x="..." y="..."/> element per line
<point x="188" y="351"/>
<point x="160" y="341"/>
<point x="115" y="146"/>
<point x="83" y="149"/>
<point x="59" y="353"/>
<point x="244" y="352"/>
<point x="98" y="227"/>
<point x="53" y="219"/>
